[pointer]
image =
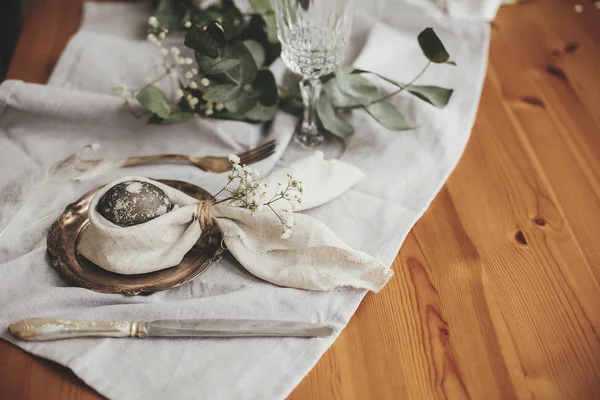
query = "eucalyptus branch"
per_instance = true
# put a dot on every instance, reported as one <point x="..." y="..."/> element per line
<point x="404" y="87"/>
<point x="392" y="94"/>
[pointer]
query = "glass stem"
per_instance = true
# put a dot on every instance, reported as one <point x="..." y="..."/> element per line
<point x="311" y="90"/>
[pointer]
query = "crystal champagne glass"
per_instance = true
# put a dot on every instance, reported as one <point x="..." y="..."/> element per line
<point x="313" y="36"/>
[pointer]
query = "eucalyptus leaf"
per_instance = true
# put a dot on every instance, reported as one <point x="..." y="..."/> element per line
<point x="330" y="120"/>
<point x="261" y="6"/>
<point x="290" y="101"/>
<point x="170" y="13"/>
<point x="215" y="30"/>
<point x="222" y="93"/>
<point x="352" y="89"/>
<point x="432" y="47"/>
<point x="261" y="112"/>
<point x="271" y="27"/>
<point x="264" y="83"/>
<point x="256" y="30"/>
<point x="246" y="71"/>
<point x="173" y="118"/>
<point x="388" y="116"/>
<point x="222" y="65"/>
<point x="434" y="95"/>
<point x="257" y="50"/>
<point x="243" y="103"/>
<point x="291" y="105"/>
<point x="229" y="16"/>
<point x="203" y="42"/>
<point x="154" y="100"/>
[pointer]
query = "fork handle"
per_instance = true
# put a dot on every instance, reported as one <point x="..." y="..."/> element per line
<point x="157" y="159"/>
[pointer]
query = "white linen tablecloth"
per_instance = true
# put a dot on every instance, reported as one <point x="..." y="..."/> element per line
<point x="42" y="123"/>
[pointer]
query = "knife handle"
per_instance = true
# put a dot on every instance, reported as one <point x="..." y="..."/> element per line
<point x="51" y="329"/>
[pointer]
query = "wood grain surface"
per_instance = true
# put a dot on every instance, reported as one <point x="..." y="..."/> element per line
<point x="496" y="292"/>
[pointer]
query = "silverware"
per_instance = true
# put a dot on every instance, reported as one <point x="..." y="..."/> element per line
<point x="210" y="163"/>
<point x="34" y="329"/>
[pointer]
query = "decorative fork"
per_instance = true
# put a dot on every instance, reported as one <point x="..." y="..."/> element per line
<point x="209" y="163"/>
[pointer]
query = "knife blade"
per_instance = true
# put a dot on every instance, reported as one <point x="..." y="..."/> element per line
<point x="35" y="329"/>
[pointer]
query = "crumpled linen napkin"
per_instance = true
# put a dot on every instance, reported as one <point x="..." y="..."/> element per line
<point x="312" y="258"/>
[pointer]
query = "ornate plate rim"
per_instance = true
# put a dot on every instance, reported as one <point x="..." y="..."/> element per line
<point x="75" y="214"/>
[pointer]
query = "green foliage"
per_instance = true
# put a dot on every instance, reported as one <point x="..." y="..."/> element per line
<point x="222" y="93"/>
<point x="209" y="41"/>
<point x="389" y="116"/>
<point x="432" y="47"/>
<point x="170" y="13"/>
<point x="226" y="13"/>
<point x="331" y="120"/>
<point x="434" y="95"/>
<point x="234" y="51"/>
<point x="155" y="101"/>
<point x="174" y="118"/>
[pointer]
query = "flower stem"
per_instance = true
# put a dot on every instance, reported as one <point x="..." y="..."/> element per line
<point x="227" y="74"/>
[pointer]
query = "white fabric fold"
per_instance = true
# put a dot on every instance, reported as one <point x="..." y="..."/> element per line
<point x="154" y="245"/>
<point x="313" y="258"/>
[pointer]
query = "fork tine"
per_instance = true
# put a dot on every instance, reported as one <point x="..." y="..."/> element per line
<point x="262" y="146"/>
<point x="257" y="155"/>
<point x="254" y="154"/>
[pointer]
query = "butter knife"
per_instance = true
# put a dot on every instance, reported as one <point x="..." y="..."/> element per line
<point x="51" y="329"/>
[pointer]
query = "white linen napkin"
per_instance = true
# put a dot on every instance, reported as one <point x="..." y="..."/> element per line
<point x="312" y="258"/>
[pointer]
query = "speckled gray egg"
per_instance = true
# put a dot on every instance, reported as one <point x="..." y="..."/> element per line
<point x="133" y="202"/>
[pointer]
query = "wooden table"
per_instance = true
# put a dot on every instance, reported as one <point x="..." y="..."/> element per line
<point x="496" y="292"/>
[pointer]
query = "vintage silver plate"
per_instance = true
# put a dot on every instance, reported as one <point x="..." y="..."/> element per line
<point x="62" y="249"/>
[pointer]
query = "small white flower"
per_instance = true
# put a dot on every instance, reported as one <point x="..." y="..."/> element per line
<point x="178" y="94"/>
<point x="164" y="52"/>
<point x="180" y="60"/>
<point x="188" y="60"/>
<point x="187" y="24"/>
<point x="162" y="35"/>
<point x="209" y="112"/>
<point x="175" y="51"/>
<point x="152" y="21"/>
<point x="152" y="37"/>
<point x="204" y="82"/>
<point x="194" y="71"/>
<point x="189" y="75"/>
<point x="219" y="106"/>
<point x="233" y="159"/>
<point x="194" y="101"/>
<point x="193" y="85"/>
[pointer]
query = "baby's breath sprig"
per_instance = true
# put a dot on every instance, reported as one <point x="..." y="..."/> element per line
<point x="246" y="189"/>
